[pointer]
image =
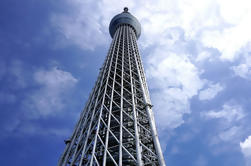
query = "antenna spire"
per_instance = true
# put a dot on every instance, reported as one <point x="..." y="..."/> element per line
<point x="126" y="9"/>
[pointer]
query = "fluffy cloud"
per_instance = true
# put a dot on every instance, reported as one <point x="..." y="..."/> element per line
<point x="231" y="37"/>
<point x="211" y="22"/>
<point x="80" y="28"/>
<point x="210" y="92"/>
<point x="173" y="80"/>
<point x="229" y="112"/>
<point x="229" y="126"/>
<point x="230" y="134"/>
<point x="55" y="79"/>
<point x="51" y="93"/>
<point x="204" y="55"/>
<point x="49" y="99"/>
<point x="244" y="68"/>
<point x="246" y="149"/>
<point x="85" y="25"/>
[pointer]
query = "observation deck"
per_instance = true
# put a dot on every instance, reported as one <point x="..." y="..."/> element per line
<point x="124" y="18"/>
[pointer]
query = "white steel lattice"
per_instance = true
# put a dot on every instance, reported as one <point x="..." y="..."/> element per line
<point x="116" y="126"/>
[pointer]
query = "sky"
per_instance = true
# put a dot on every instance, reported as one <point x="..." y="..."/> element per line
<point x="196" y="55"/>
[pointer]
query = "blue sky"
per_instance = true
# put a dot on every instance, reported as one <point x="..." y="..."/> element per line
<point x="196" y="56"/>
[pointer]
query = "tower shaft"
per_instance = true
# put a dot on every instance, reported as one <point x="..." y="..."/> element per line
<point x="117" y="125"/>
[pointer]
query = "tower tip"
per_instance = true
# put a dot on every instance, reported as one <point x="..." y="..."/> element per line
<point x="126" y="9"/>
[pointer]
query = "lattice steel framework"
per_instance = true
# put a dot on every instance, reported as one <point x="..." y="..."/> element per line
<point x="117" y="125"/>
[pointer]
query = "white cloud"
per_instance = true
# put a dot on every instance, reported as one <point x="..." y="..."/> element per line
<point x="173" y="80"/>
<point x="229" y="134"/>
<point x="246" y="150"/>
<point x="204" y="55"/>
<point x="246" y="147"/>
<point x="211" y="22"/>
<point x="233" y="31"/>
<point x="86" y="25"/>
<point x="81" y="29"/>
<point x="49" y="100"/>
<point x="244" y="68"/>
<point x="169" y="107"/>
<point x="228" y="128"/>
<point x="211" y="92"/>
<point x="55" y="79"/>
<point x="229" y="112"/>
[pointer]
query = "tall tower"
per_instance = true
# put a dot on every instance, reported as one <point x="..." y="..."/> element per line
<point x="117" y="126"/>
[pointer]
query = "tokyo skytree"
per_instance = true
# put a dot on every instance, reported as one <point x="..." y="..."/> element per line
<point x="117" y="125"/>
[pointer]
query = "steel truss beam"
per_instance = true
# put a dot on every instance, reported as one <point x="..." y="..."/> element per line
<point x="117" y="125"/>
